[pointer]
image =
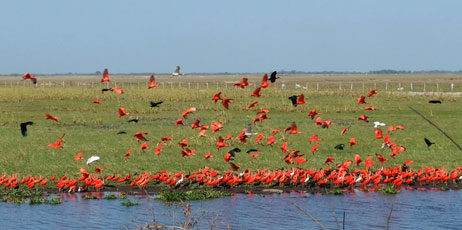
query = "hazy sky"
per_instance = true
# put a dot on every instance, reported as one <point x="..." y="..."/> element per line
<point x="235" y="36"/>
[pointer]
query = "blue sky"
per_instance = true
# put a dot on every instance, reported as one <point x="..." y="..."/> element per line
<point x="229" y="36"/>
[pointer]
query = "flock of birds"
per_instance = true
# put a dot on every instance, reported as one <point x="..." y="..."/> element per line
<point x="340" y="173"/>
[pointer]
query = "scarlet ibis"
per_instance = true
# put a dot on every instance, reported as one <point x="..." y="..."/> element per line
<point x="24" y="127"/>
<point x="118" y="90"/>
<point x="256" y="92"/>
<point x="49" y="117"/>
<point x="264" y="81"/>
<point x="372" y="92"/>
<point x="93" y="159"/>
<point x="78" y="156"/>
<point x="57" y="144"/>
<point x="155" y="104"/>
<point x="96" y="102"/>
<point x="313" y="113"/>
<point x="243" y="83"/>
<point x="273" y="77"/>
<point x="363" y="118"/>
<point x="105" y="76"/>
<point x="362" y="100"/>
<point x="253" y="104"/>
<point x="29" y="76"/>
<point x="216" y="97"/>
<point x="225" y="102"/>
<point x="152" y="82"/>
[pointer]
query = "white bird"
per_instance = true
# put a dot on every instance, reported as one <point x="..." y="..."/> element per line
<point x="248" y="131"/>
<point x="377" y="124"/>
<point x="400" y="89"/>
<point x="297" y="86"/>
<point x="176" y="72"/>
<point x="93" y="159"/>
<point x="359" y="178"/>
<point x="307" y="179"/>
<point x="180" y="180"/>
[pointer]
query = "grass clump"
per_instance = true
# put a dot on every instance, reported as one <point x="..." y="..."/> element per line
<point x="115" y="197"/>
<point x="389" y="189"/>
<point x="190" y="195"/>
<point x="18" y="196"/>
<point x="336" y="192"/>
<point x="90" y="197"/>
<point x="129" y="203"/>
<point x="54" y="201"/>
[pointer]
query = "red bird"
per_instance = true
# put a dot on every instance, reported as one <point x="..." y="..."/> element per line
<point x="362" y="100"/>
<point x="243" y="83"/>
<point x="358" y="159"/>
<point x="264" y="81"/>
<point x="207" y="155"/>
<point x="196" y="124"/>
<point x="256" y="92"/>
<point x="57" y="144"/>
<point x="275" y="131"/>
<point x="96" y="102"/>
<point x="300" y="160"/>
<point x="183" y="143"/>
<point x="293" y="129"/>
<point x="187" y="152"/>
<point x="315" y="148"/>
<point x="78" y="156"/>
<point x="221" y="143"/>
<point x="260" y="118"/>
<point x="252" y="105"/>
<point x="263" y="111"/>
<point x="381" y="158"/>
<point x="363" y="118"/>
<point x="144" y="146"/>
<point x="188" y="111"/>
<point x="313" y="113"/>
<point x="284" y="147"/>
<point x="99" y="169"/>
<point x="49" y="117"/>
<point x="179" y="122"/>
<point x="372" y="92"/>
<point x="216" y="126"/>
<point x="353" y="141"/>
<point x="378" y="134"/>
<point x="234" y="166"/>
<point x="368" y="162"/>
<point x="225" y="102"/>
<point x="344" y="130"/>
<point x="166" y="139"/>
<point x="259" y="137"/>
<point x="31" y="77"/>
<point x="329" y="160"/>
<point x="118" y="90"/>
<point x="408" y="163"/>
<point x="270" y="140"/>
<point x="315" y="138"/>
<point x="158" y="148"/>
<point x="318" y="121"/>
<point x="301" y="100"/>
<point x="216" y="97"/>
<point x="152" y="82"/>
<point x="369" y="108"/>
<point x="140" y="136"/>
<point x="128" y="153"/>
<point x="122" y="112"/>
<point x="105" y="76"/>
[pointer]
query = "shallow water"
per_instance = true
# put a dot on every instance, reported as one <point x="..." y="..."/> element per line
<point x="411" y="210"/>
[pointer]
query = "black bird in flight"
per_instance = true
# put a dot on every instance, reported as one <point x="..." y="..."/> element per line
<point x="252" y="150"/>
<point x="105" y="89"/>
<point x="434" y="101"/>
<point x="293" y="99"/>
<point x="234" y="151"/>
<point x="273" y="77"/>
<point x="428" y="142"/>
<point x="339" y="146"/>
<point x="24" y="127"/>
<point x="133" y="120"/>
<point x="155" y="104"/>
<point x="122" y="132"/>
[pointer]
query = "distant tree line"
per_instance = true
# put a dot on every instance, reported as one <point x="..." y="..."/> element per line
<point x="287" y="72"/>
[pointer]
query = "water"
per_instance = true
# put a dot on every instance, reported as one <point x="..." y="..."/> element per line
<point x="411" y="210"/>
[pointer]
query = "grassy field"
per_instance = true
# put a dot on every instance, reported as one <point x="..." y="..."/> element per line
<point x="92" y="128"/>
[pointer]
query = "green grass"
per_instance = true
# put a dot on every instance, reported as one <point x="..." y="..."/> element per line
<point x="190" y="195"/>
<point x="93" y="128"/>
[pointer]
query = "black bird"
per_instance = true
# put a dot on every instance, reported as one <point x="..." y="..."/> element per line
<point x="293" y="99"/>
<point x="234" y="151"/>
<point x="24" y="127"/>
<point x="428" y="142"/>
<point x="434" y="101"/>
<point x="339" y="146"/>
<point x="122" y="132"/>
<point x="252" y="150"/>
<point x="273" y="77"/>
<point x="105" y="89"/>
<point x="155" y="104"/>
<point x="133" y="120"/>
